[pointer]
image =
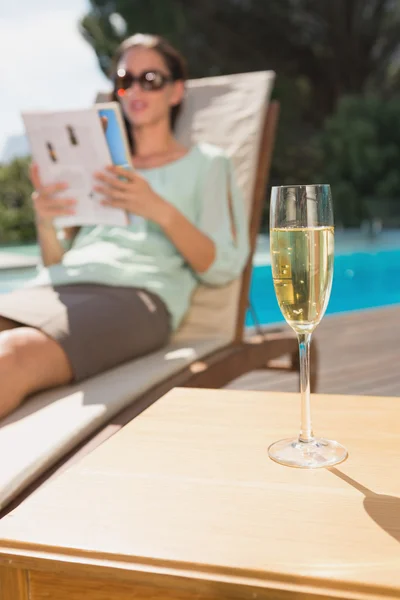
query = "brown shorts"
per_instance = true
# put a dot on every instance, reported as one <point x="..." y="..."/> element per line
<point x="97" y="326"/>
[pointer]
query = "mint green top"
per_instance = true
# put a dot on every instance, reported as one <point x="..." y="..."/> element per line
<point x="141" y="255"/>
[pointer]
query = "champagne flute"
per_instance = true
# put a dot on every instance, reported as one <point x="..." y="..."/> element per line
<point x="302" y="247"/>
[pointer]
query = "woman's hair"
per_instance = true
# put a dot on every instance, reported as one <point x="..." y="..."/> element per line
<point x="174" y="61"/>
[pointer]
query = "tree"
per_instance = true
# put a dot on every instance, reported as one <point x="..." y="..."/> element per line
<point x="16" y="212"/>
<point x="334" y="47"/>
<point x="360" y="144"/>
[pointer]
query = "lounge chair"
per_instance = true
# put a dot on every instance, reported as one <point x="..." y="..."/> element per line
<point x="209" y="350"/>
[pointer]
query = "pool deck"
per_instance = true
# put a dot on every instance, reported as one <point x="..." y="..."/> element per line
<point x="359" y="354"/>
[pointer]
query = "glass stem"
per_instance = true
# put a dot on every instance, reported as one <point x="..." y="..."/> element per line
<point x="306" y="433"/>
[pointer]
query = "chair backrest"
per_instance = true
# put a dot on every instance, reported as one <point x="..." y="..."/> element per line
<point x="229" y="111"/>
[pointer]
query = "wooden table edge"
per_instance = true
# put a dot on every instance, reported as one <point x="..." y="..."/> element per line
<point x="186" y="576"/>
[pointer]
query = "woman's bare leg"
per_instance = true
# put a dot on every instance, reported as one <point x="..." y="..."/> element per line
<point x="29" y="361"/>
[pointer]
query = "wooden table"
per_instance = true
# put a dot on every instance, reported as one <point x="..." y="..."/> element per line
<point x="184" y="503"/>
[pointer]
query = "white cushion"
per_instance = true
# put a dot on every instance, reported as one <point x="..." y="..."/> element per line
<point x="50" y="424"/>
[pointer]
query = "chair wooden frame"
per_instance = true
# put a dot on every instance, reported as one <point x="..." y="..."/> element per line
<point x="244" y="354"/>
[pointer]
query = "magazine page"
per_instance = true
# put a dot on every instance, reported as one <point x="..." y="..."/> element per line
<point x="70" y="146"/>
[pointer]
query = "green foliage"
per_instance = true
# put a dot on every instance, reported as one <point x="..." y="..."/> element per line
<point x="337" y="46"/>
<point x="16" y="212"/>
<point x="360" y="151"/>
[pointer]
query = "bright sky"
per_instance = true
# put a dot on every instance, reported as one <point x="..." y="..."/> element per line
<point x="44" y="61"/>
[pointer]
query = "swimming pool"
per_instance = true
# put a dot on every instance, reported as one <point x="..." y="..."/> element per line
<point x="366" y="275"/>
<point x="361" y="280"/>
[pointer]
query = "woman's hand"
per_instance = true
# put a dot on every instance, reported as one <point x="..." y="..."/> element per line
<point x="133" y="194"/>
<point x="46" y="204"/>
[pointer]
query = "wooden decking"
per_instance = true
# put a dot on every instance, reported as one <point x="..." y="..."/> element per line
<point x="359" y="354"/>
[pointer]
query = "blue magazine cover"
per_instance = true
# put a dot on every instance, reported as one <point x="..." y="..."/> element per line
<point x="117" y="141"/>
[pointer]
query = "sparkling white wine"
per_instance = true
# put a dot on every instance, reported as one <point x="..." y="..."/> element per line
<point x="302" y="269"/>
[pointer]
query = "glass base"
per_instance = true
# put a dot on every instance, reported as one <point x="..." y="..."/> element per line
<point x="307" y="455"/>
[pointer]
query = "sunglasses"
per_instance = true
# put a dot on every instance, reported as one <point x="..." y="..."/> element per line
<point x="149" y="81"/>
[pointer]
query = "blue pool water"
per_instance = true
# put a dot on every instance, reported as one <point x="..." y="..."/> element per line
<point x="361" y="280"/>
<point x="366" y="278"/>
<point x="366" y="275"/>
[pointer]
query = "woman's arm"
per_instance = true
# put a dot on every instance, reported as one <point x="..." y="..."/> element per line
<point x="196" y="247"/>
<point x="51" y="248"/>
<point x="136" y="196"/>
<point x="216" y="245"/>
<point x="222" y="220"/>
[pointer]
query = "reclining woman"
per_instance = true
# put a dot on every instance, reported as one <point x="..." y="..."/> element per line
<point x="119" y="292"/>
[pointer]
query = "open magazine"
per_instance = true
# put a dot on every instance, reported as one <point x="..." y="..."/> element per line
<point x="70" y="146"/>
